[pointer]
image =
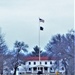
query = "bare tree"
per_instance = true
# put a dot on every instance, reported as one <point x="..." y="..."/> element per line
<point x="63" y="46"/>
<point x="19" y="46"/>
<point x="3" y="49"/>
<point x="11" y="60"/>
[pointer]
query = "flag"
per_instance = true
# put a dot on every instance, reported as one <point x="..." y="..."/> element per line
<point x="41" y="28"/>
<point x="41" y="20"/>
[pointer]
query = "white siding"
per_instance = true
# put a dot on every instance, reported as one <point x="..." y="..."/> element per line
<point x="27" y="66"/>
<point x="38" y="63"/>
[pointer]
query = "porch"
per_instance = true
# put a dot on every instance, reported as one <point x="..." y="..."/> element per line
<point x="43" y="69"/>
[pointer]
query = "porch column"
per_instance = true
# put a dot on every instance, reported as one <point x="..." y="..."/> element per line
<point x="32" y="69"/>
<point x="37" y="69"/>
<point x="43" y="69"/>
<point x="48" y="69"/>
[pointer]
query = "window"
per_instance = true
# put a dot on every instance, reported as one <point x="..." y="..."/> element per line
<point x="34" y="68"/>
<point x="45" y="62"/>
<point x="46" y="68"/>
<point x="29" y="69"/>
<point x="20" y="73"/>
<point x="50" y="62"/>
<point x="34" y="63"/>
<point x="40" y="62"/>
<point x="38" y="68"/>
<point x="62" y="68"/>
<point x="41" y="68"/>
<point x="51" y="68"/>
<point x="29" y="63"/>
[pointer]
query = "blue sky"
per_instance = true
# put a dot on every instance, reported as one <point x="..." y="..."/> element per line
<point x="19" y="20"/>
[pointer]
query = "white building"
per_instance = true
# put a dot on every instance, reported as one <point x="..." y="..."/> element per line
<point x="45" y="65"/>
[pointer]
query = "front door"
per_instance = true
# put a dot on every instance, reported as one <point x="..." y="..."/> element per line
<point x="41" y="68"/>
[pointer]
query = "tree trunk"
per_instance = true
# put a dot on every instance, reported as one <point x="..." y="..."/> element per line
<point x="15" y="69"/>
<point x="66" y="70"/>
<point x="66" y="73"/>
<point x="1" y="73"/>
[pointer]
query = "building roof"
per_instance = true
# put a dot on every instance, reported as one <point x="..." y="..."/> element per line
<point x="36" y="58"/>
<point x="41" y="58"/>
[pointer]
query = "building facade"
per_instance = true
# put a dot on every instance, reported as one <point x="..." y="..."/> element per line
<point x="45" y="65"/>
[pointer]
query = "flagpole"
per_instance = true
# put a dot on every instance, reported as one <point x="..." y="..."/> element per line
<point x="40" y="28"/>
<point x="39" y="41"/>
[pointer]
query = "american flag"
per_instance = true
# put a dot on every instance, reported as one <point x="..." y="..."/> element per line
<point x="41" y="20"/>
